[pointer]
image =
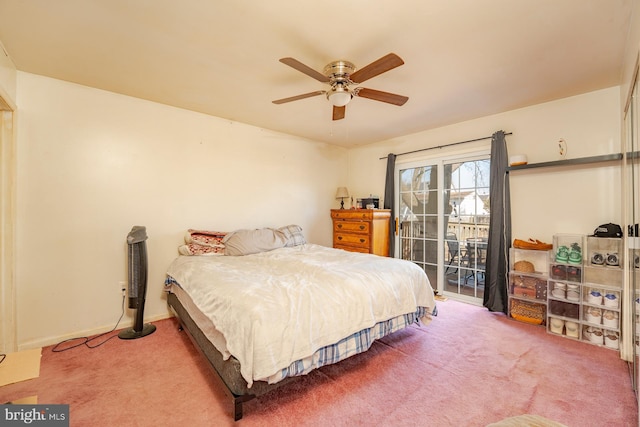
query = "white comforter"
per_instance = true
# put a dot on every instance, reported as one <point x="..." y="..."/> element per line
<point x="277" y="307"/>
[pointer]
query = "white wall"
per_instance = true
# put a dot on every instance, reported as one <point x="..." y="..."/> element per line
<point x="92" y="164"/>
<point x="544" y="201"/>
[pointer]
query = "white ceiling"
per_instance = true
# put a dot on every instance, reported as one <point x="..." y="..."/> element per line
<point x="463" y="58"/>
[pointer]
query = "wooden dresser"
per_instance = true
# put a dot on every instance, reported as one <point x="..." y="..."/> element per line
<point x="361" y="230"/>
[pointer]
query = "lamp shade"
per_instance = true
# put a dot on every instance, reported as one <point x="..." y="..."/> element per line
<point x="340" y="98"/>
<point x="342" y="193"/>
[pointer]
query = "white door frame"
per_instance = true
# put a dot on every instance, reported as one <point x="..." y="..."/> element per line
<point x="8" y="177"/>
<point x="439" y="161"/>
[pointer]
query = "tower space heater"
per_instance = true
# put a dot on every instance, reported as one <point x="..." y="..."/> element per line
<point x="137" y="245"/>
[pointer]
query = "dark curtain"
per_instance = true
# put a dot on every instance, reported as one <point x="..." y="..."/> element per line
<point x="389" y="200"/>
<point x="496" y="281"/>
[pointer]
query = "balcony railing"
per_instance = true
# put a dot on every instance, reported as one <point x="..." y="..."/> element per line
<point x="410" y="231"/>
<point x="466" y="231"/>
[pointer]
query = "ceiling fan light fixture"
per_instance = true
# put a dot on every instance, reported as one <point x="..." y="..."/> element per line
<point x="339" y="96"/>
<point x="342" y="74"/>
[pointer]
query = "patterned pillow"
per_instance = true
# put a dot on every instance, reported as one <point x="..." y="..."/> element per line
<point x="293" y="234"/>
<point x="202" y="242"/>
<point x="204" y="237"/>
<point x="195" y="249"/>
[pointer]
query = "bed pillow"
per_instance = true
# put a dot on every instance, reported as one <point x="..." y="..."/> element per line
<point x="202" y="242"/>
<point x="293" y="234"/>
<point x="204" y="237"/>
<point x="246" y="242"/>
<point x="195" y="249"/>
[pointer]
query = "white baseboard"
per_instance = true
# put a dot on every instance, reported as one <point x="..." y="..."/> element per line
<point x="128" y="323"/>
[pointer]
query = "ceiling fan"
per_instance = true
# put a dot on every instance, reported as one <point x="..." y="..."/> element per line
<point x="340" y="75"/>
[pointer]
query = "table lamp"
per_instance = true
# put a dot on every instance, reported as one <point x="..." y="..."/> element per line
<point x="342" y="194"/>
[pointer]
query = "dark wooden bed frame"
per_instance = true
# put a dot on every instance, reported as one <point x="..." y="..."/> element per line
<point x="227" y="372"/>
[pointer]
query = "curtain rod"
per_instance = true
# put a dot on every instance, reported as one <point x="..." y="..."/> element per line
<point x="446" y="145"/>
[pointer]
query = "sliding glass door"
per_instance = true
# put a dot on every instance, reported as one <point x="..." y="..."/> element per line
<point x="443" y="211"/>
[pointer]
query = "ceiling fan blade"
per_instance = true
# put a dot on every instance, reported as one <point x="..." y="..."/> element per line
<point x="378" y="95"/>
<point x="338" y="112"/>
<point x="297" y="97"/>
<point x="386" y="63"/>
<point x="294" y="63"/>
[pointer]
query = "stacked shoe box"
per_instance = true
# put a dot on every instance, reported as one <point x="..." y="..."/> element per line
<point x="603" y="278"/>
<point x="584" y="289"/>
<point x="633" y="258"/>
<point x="528" y="274"/>
<point x="564" y="290"/>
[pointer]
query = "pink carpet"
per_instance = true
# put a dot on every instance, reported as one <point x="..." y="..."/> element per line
<point x="468" y="367"/>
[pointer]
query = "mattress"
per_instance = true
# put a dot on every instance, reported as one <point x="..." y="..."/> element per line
<point x="288" y="292"/>
<point x="347" y="347"/>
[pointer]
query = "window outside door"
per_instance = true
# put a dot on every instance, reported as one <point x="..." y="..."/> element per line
<point x="443" y="213"/>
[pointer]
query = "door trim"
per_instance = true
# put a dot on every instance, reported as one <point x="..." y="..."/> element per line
<point x="479" y="153"/>
<point x="8" y="177"/>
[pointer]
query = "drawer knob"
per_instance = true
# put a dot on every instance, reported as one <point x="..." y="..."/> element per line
<point x="362" y="227"/>
<point x="361" y="240"/>
<point x="339" y="237"/>
<point x="339" y="225"/>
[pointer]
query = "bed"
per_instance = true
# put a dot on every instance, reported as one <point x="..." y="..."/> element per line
<point x="264" y="306"/>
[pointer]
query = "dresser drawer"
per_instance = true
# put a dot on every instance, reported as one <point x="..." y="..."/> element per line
<point x="352" y="214"/>
<point x="352" y="248"/>
<point x="351" y="226"/>
<point x="361" y="240"/>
